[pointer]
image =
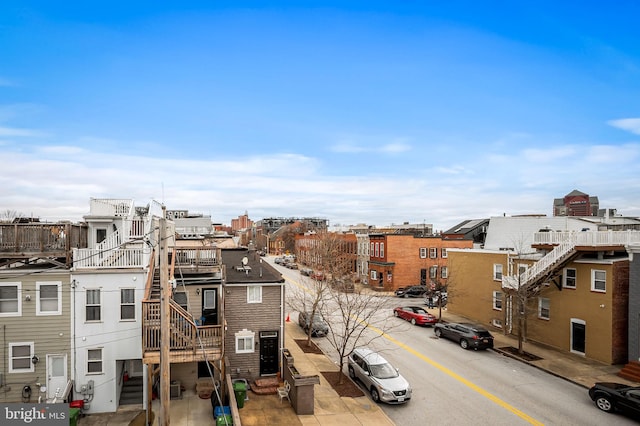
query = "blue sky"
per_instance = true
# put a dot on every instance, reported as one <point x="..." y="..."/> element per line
<point x="370" y="112"/>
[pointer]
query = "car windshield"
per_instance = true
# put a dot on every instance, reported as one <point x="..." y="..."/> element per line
<point x="419" y="311"/>
<point x="383" y="371"/>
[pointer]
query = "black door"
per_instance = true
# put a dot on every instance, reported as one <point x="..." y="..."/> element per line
<point x="209" y="306"/>
<point x="578" y="334"/>
<point x="268" y="352"/>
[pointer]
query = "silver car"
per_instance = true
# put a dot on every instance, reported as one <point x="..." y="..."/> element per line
<point x="381" y="379"/>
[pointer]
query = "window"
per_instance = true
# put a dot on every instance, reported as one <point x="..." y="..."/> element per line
<point x="94" y="361"/>
<point x="569" y="278"/>
<point x="374" y="275"/>
<point x="101" y="235"/>
<point x="443" y="252"/>
<point x="254" y="294"/>
<point x="423" y="252"/>
<point x="497" y="300"/>
<point x="49" y="301"/>
<point x="598" y="280"/>
<point x="10" y="305"/>
<point x="496" y="323"/>
<point x="180" y="298"/>
<point x="20" y="355"/>
<point x="210" y="298"/>
<point x="127" y="304"/>
<point x="444" y="272"/>
<point x="377" y="252"/>
<point x="497" y="271"/>
<point x="543" y="308"/>
<point x="433" y="272"/>
<point x="522" y="269"/>
<point x="93" y="305"/>
<point x="245" y="341"/>
<point x="433" y="252"/>
<point x="381" y="249"/>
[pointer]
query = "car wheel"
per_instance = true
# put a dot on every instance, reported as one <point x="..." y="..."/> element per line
<point x="604" y="403"/>
<point x="395" y="313"/>
<point x="352" y="373"/>
<point x="437" y="332"/>
<point x="406" y="296"/>
<point x="413" y="321"/>
<point x="374" y="395"/>
<point x="464" y="344"/>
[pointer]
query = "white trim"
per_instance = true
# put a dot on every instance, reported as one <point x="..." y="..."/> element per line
<point x="497" y="266"/>
<point x="497" y="298"/>
<point x="249" y="338"/>
<point x="31" y="368"/>
<point x="577" y="321"/>
<point x="593" y="280"/>
<point x="133" y="304"/>
<point x="540" y="307"/>
<point x="18" y="313"/>
<point x="95" y="360"/>
<point x="575" y="278"/>
<point x="254" y="298"/>
<point x="39" y="311"/>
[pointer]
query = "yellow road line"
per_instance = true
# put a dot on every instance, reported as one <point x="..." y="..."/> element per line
<point x="445" y="370"/>
<point x="459" y="378"/>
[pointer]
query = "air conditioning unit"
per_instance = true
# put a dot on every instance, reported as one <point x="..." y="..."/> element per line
<point x="174" y="390"/>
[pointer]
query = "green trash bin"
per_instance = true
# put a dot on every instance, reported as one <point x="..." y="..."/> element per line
<point x="74" y="413"/>
<point x="224" y="420"/>
<point x="240" y="389"/>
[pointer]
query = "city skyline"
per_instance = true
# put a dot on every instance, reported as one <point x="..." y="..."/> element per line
<point x="376" y="112"/>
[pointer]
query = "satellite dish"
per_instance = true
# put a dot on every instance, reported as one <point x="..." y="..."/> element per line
<point x="245" y="260"/>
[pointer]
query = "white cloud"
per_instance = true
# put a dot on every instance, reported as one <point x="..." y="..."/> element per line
<point x="13" y="131"/>
<point x="629" y="124"/>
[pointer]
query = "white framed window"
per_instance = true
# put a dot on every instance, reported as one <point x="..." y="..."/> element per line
<point x="569" y="278"/>
<point x="544" y="306"/>
<point x="127" y="304"/>
<point x="497" y="300"/>
<point x="209" y="299"/>
<point x="433" y="252"/>
<point x="433" y="272"/>
<point x="93" y="308"/>
<point x="374" y="275"/>
<point x="49" y="301"/>
<point x="94" y="361"/>
<point x="381" y="249"/>
<point x="598" y="280"/>
<point x="443" y="252"/>
<point x="20" y="354"/>
<point x="372" y="250"/>
<point x="245" y="341"/>
<point x="497" y="271"/>
<point x="444" y="273"/>
<point x="423" y="252"/>
<point x="377" y="252"/>
<point x="496" y="323"/>
<point x="254" y="294"/>
<point x="10" y="303"/>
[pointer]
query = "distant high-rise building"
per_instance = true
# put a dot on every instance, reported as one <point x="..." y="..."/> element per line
<point x="576" y="203"/>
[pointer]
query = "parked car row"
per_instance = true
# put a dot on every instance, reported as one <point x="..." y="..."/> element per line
<point x="411" y="291"/>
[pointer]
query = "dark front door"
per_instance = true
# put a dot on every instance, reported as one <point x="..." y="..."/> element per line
<point x="268" y="352"/>
<point x="578" y="334"/>
<point x="209" y="306"/>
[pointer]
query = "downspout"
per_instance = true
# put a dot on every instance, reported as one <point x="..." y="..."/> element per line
<point x="73" y="319"/>
<point x="281" y="327"/>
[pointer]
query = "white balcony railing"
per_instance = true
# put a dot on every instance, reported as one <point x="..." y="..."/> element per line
<point x="110" y="259"/>
<point x="111" y="207"/>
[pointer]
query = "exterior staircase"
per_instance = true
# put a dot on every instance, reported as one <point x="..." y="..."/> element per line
<point x="132" y="391"/>
<point x="631" y="371"/>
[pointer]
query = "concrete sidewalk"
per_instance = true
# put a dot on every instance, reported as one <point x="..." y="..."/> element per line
<point x="332" y="410"/>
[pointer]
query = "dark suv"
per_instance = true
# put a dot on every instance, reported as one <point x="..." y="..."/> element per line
<point x="467" y="335"/>
<point x="411" y="291"/>
<point x="319" y="327"/>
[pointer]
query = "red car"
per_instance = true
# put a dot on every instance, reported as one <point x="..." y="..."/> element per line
<point x="415" y="314"/>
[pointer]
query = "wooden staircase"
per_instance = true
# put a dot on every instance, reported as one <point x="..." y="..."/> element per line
<point x="631" y="371"/>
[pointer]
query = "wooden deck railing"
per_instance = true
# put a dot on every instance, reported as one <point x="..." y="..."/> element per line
<point x="185" y="334"/>
<point x="41" y="237"/>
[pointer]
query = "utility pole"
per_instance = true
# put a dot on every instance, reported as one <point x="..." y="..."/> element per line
<point x="165" y="294"/>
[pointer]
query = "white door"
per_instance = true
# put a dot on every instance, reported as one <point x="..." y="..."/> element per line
<point x="56" y="375"/>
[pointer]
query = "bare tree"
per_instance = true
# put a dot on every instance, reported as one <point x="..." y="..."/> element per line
<point x="8" y="215"/>
<point x="350" y="318"/>
<point x="309" y="299"/>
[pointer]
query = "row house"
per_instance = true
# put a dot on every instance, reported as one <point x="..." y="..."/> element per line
<point x="36" y="295"/>
<point x="328" y="251"/>
<point x="80" y="308"/>
<point x="573" y="275"/>
<point x="399" y="260"/>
